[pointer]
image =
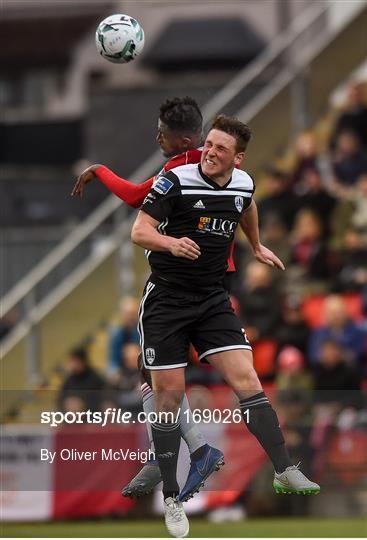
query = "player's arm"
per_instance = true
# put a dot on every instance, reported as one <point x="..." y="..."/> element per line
<point x="144" y="233"/>
<point x="132" y="194"/>
<point x="250" y="225"/>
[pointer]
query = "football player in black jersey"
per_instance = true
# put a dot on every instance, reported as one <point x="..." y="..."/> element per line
<point x="186" y="224"/>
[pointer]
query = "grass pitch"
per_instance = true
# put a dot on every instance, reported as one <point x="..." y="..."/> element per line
<point x="256" y="528"/>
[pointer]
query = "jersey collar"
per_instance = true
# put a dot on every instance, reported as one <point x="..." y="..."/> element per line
<point x="211" y="182"/>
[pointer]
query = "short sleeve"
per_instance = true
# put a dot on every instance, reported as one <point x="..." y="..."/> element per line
<point x="160" y="201"/>
<point x="254" y="185"/>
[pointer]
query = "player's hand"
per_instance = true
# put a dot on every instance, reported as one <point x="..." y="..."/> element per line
<point x="185" y="247"/>
<point x="266" y="256"/>
<point x="86" y="177"/>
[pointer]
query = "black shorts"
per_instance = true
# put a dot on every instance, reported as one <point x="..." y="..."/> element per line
<point x="170" y="320"/>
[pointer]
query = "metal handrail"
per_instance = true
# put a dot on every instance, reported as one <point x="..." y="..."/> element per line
<point x="110" y="205"/>
<point x="261" y="62"/>
<point x="73" y="240"/>
<point x="61" y="290"/>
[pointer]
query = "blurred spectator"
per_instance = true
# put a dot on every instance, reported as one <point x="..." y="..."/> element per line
<point x="354" y="117"/>
<point x="7" y="322"/>
<point x="341" y="329"/>
<point x="129" y="368"/>
<point x="129" y="393"/>
<point x="296" y="425"/>
<point x="277" y="202"/>
<point x="259" y="302"/>
<point x="315" y="197"/>
<point x="352" y="266"/>
<point x="293" y="329"/>
<point x="308" y="158"/>
<point x="336" y="380"/>
<point x="359" y="198"/>
<point x="83" y="388"/>
<point x="275" y="237"/>
<point x="351" y="210"/>
<point x="122" y="335"/>
<point x="364" y="300"/>
<point x="292" y="373"/>
<point x="349" y="162"/>
<point x="73" y="403"/>
<point x="309" y="250"/>
<point x="296" y="420"/>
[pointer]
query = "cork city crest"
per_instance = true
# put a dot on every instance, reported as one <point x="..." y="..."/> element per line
<point x="238" y="201"/>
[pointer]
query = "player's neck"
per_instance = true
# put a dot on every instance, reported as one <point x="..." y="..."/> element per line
<point x="223" y="179"/>
<point x="220" y="180"/>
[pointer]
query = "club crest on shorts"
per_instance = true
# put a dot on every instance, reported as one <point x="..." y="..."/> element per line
<point x="238" y="201"/>
<point x="150" y="355"/>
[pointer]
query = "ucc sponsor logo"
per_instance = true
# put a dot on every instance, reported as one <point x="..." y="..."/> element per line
<point x="222" y="227"/>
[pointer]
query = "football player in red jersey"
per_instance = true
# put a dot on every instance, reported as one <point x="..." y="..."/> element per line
<point x="179" y="137"/>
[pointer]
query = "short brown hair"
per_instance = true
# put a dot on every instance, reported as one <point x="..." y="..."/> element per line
<point x="240" y="131"/>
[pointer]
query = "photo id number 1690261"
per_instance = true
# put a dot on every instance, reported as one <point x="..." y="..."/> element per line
<point x="217" y="416"/>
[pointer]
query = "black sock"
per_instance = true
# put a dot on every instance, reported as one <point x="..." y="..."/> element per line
<point x="166" y="437"/>
<point x="262" y="421"/>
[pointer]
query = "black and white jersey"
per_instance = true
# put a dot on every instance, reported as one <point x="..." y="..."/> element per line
<point x="186" y="202"/>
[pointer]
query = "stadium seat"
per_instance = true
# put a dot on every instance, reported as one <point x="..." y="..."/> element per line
<point x="264" y="351"/>
<point x="313" y="308"/>
<point x="354" y="306"/>
<point x="347" y="456"/>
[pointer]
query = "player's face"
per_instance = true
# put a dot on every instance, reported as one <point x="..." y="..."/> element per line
<point x="171" y="142"/>
<point x="220" y="155"/>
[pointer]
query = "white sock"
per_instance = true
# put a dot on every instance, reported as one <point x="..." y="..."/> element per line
<point x="189" y="429"/>
<point x="148" y="406"/>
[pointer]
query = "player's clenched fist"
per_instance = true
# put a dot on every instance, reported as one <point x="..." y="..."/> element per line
<point x="184" y="247"/>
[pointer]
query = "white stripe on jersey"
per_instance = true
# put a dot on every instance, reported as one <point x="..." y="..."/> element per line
<point x="189" y="175"/>
<point x="150" y="287"/>
<point x="189" y="178"/>
<point x="241" y="180"/>
<point x="162" y="229"/>
<point x="220" y="193"/>
<point x="162" y="226"/>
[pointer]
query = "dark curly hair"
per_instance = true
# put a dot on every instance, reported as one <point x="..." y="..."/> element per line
<point x="182" y="114"/>
<point x="241" y="132"/>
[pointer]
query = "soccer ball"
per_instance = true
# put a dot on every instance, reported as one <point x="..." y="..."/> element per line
<point x="119" y="38"/>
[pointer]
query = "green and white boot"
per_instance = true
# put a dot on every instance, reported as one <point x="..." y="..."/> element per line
<point x="292" y="480"/>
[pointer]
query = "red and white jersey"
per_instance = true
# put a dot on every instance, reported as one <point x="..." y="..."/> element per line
<point x="194" y="156"/>
<point x="190" y="156"/>
<point x="134" y="194"/>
